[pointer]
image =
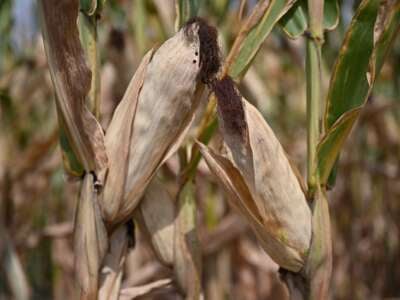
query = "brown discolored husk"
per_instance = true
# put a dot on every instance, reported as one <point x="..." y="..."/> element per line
<point x="259" y="179"/>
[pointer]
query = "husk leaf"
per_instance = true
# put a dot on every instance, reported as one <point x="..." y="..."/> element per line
<point x="90" y="239"/>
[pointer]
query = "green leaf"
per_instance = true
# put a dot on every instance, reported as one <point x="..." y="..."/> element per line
<point x="91" y="7"/>
<point x="140" y="23"/>
<point x="71" y="163"/>
<point x="255" y="38"/>
<point x="331" y="181"/>
<point x="88" y="6"/>
<point x="295" y="22"/>
<point x="219" y="8"/>
<point x="100" y="5"/>
<point x="5" y="33"/>
<point x="329" y="147"/>
<point x="185" y="10"/>
<point x="365" y="46"/>
<point x="331" y="14"/>
<point x="88" y="36"/>
<point x="349" y="86"/>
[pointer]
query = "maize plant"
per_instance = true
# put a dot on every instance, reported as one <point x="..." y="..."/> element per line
<point x="182" y="157"/>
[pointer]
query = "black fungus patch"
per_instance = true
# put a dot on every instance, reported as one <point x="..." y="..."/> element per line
<point x="210" y="59"/>
<point x="230" y="106"/>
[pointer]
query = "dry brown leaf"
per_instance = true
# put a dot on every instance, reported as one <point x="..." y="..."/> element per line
<point x="90" y="239"/>
<point x="71" y="79"/>
<point x="156" y="215"/>
<point x="117" y="139"/>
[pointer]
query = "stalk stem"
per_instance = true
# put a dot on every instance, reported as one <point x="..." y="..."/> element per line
<point x="313" y="76"/>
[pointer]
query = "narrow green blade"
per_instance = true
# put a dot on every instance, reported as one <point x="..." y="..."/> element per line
<point x="254" y="39"/>
<point x="331" y="14"/>
<point x="367" y="42"/>
<point x="330" y="145"/>
<point x="349" y="84"/>
<point x="295" y="22"/>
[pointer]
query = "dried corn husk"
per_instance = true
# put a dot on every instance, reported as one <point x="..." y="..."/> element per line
<point x="113" y="265"/>
<point x="318" y="268"/>
<point x="118" y="135"/>
<point x="169" y="97"/>
<point x="187" y="250"/>
<point x="156" y="216"/>
<point x="173" y="235"/>
<point x="90" y="239"/>
<point x="259" y="179"/>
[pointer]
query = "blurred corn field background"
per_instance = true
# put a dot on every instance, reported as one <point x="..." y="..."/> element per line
<point x="169" y="205"/>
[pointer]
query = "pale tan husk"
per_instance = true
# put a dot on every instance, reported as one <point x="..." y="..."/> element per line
<point x="118" y="135"/>
<point x="156" y="216"/>
<point x="90" y="239"/>
<point x="113" y="265"/>
<point x="187" y="250"/>
<point x="165" y="109"/>
<point x="261" y="184"/>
